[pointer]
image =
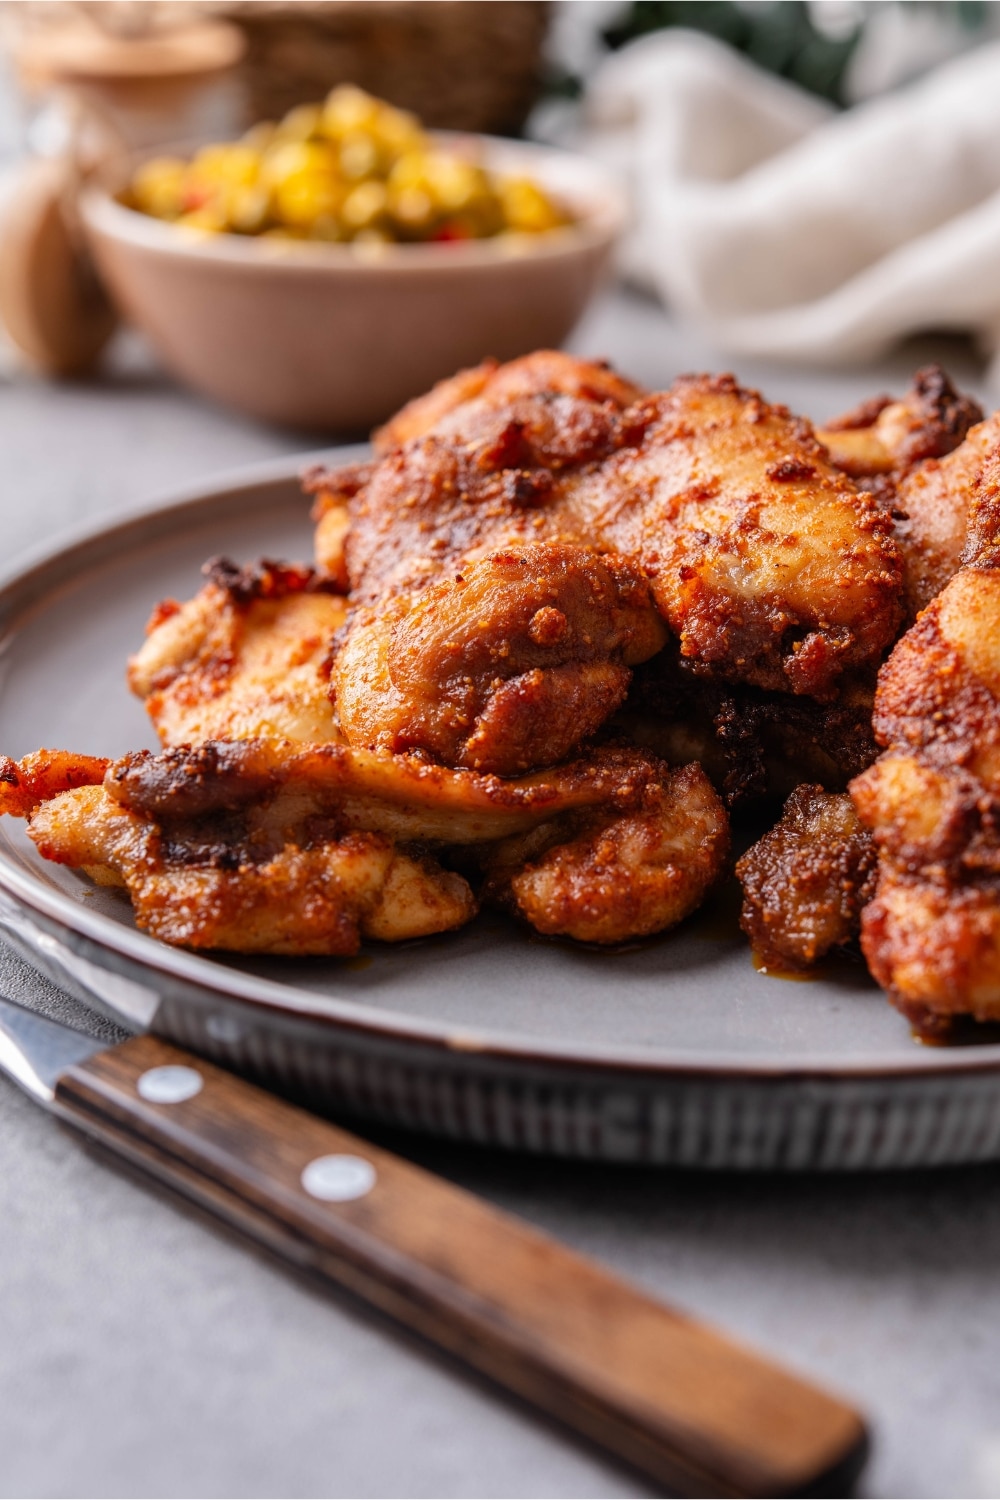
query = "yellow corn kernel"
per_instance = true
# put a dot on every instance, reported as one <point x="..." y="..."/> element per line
<point x="327" y="227"/>
<point x="348" y="109"/>
<point x="249" y="209"/>
<point x="292" y="158"/>
<point x="211" y="219"/>
<point x="303" y="197"/>
<point x="259" y="137"/>
<point x="359" y="156"/>
<point x="232" y="165"/>
<point x="158" y="187"/>
<point x="301" y="123"/>
<point x="364" y="206"/>
<point x="409" y="170"/>
<point x="397" y="131"/>
<point x="526" y="208"/>
<point x="412" y="208"/>
<point x="454" y="184"/>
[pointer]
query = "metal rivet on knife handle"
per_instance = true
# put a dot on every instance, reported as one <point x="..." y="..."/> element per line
<point x="169" y="1085"/>
<point x="338" y="1178"/>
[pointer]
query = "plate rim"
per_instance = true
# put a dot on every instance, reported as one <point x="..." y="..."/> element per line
<point x="140" y="524"/>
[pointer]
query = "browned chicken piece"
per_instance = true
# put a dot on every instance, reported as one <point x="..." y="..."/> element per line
<point x="43" y="775"/>
<point x="250" y="888"/>
<point x="403" y="796"/>
<point x="548" y="408"/>
<point x="248" y="657"/>
<point x="982" y="535"/>
<point x="932" y="801"/>
<point x="544" y="373"/>
<point x="933" y="504"/>
<point x="332" y="491"/>
<point x="764" y="559"/>
<point x="617" y="876"/>
<point x="508" y="665"/>
<point x="257" y="875"/>
<point x="485" y="480"/>
<point x="766" y="562"/>
<point x="264" y="846"/>
<point x="752" y="744"/>
<point x="806" y="882"/>
<point x="888" y="437"/>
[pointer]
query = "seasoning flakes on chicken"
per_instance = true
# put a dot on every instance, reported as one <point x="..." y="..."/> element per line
<point x="508" y="665"/>
<point x="934" y="501"/>
<point x="807" y="881"/>
<point x="248" y="656"/>
<point x="341" y="839"/>
<point x="763" y="558"/>
<point x="932" y="801"/>
<point x="618" y="876"/>
<point x="885" y="438"/>
<point x="767" y="563"/>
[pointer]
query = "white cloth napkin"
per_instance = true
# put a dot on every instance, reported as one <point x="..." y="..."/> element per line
<point x="787" y="229"/>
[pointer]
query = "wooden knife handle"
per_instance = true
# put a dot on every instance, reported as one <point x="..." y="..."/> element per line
<point x="700" y="1414"/>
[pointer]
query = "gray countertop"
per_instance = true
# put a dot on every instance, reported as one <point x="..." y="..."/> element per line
<point x="146" y="1351"/>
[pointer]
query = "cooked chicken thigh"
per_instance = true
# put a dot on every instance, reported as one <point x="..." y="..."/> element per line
<point x="935" y="501"/>
<point x="248" y="656"/>
<point x="806" y="882"/>
<point x="616" y="876"/>
<point x="507" y="665"/>
<point x="767" y="564"/>
<point x="887" y="438"/>
<point x="268" y="846"/>
<point x="932" y="934"/>
<point x="546" y="373"/>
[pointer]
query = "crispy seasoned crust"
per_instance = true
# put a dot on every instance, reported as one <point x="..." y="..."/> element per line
<point x="252" y="884"/>
<point x="766" y="562"/>
<point x="883" y="436"/>
<point x="806" y="882"/>
<point x="545" y="372"/>
<point x="982" y="536"/>
<point x="754" y="745"/>
<point x="764" y="559"/>
<point x="609" y="877"/>
<point x="263" y="846"/>
<point x="938" y="691"/>
<point x="24" y="784"/>
<point x="507" y="665"/>
<point x="400" y="795"/>
<point x="932" y="801"/>
<point x="266" y="579"/>
<point x="333" y="490"/>
<point x="486" y="479"/>
<point x="933" y="504"/>
<point x="248" y="656"/>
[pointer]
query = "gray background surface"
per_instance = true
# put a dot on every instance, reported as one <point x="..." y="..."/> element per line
<point x="145" y="1351"/>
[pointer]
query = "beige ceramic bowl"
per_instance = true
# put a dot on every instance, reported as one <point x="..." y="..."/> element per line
<point x="337" y="337"/>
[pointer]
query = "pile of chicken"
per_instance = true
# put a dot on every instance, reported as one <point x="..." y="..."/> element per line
<point x="556" y="629"/>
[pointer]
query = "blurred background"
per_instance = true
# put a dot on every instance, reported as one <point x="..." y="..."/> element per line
<point x="807" y="184"/>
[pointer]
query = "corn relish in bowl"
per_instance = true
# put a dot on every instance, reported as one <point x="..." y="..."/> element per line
<point x="321" y="271"/>
<point x="350" y="170"/>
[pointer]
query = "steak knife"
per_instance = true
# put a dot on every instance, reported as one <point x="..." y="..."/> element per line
<point x="699" y="1414"/>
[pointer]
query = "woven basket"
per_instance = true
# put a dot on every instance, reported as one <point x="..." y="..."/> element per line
<point x="458" y="64"/>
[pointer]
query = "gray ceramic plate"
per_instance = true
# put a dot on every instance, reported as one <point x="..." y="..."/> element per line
<point x="675" y="1051"/>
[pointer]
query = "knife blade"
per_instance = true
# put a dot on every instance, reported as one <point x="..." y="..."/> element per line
<point x="698" y="1413"/>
